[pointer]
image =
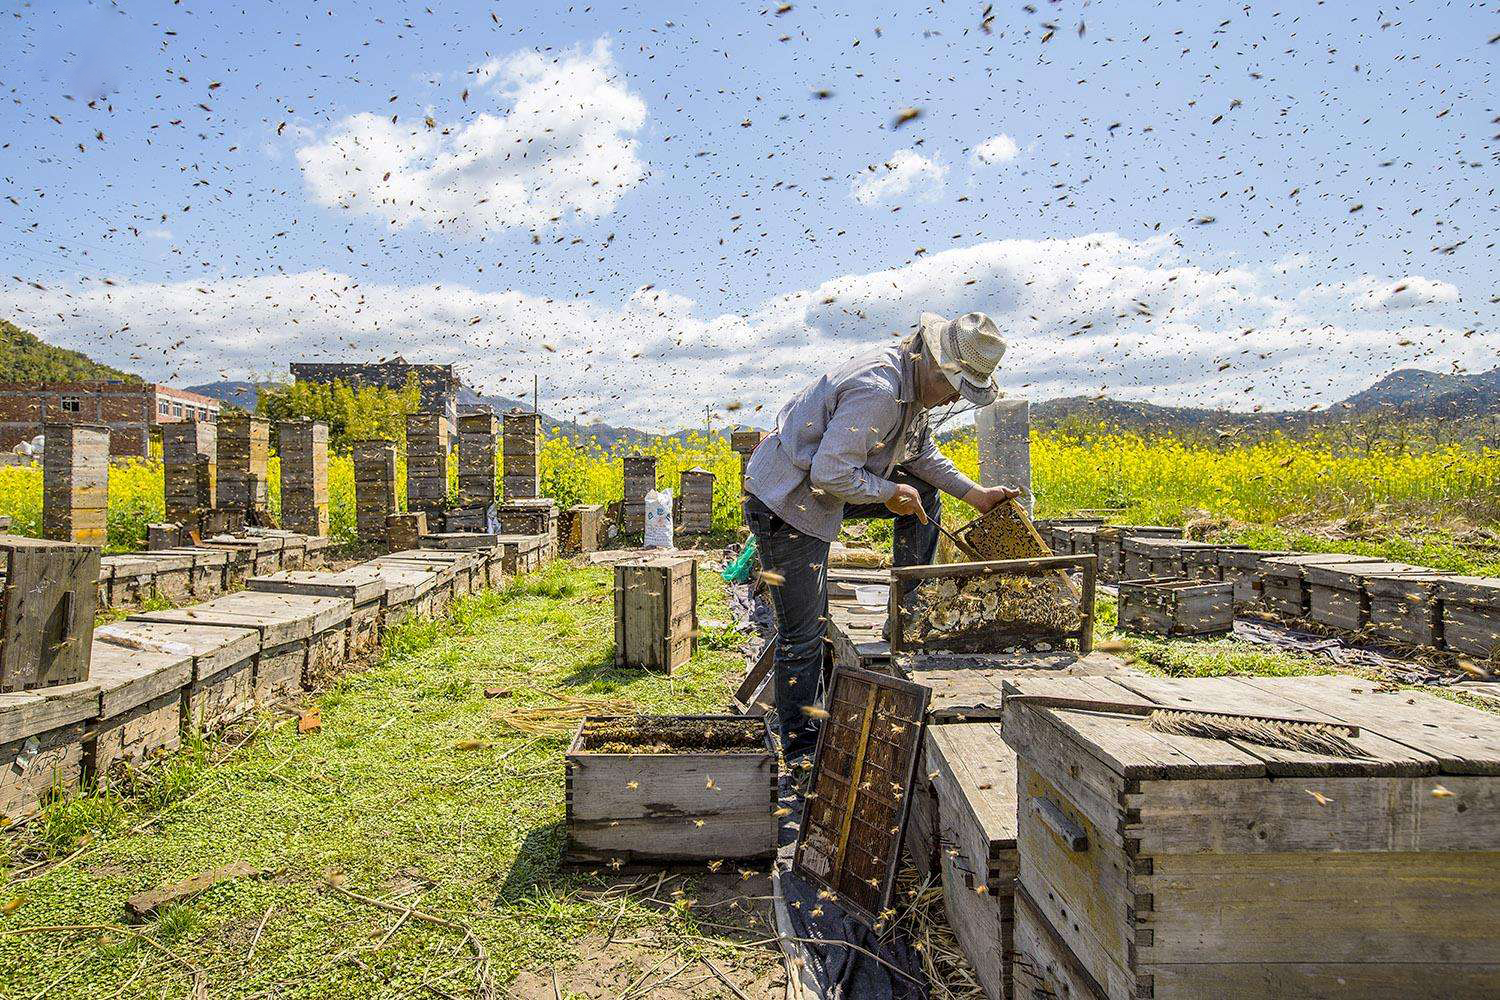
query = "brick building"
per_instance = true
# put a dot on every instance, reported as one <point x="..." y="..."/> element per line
<point x="439" y="383"/>
<point x="131" y="410"/>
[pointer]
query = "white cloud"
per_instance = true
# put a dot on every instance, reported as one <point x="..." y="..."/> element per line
<point x="1098" y="312"/>
<point x="996" y="149"/>
<point x="905" y="170"/>
<point x="1368" y="293"/>
<point x="562" y="147"/>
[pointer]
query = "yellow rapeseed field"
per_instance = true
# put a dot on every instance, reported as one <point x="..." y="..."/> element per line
<point x="1159" y="480"/>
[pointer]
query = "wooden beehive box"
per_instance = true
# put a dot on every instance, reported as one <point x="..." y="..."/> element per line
<point x="656" y="612"/>
<point x="405" y="531"/>
<point x="973" y="778"/>
<point x="140" y="714"/>
<point x="1176" y="607"/>
<point x="1283" y="583"/>
<point x="244" y="449"/>
<point x="581" y="528"/>
<point x="527" y="516"/>
<point x="744" y="444"/>
<point x="374" y="488"/>
<point x="1202" y="560"/>
<point x="478" y="453"/>
<point x="49" y="592"/>
<point x="697" y="494"/>
<point x="304" y="476"/>
<point x="671" y="788"/>
<point x="222" y="686"/>
<point x="42" y="736"/>
<point x="522" y="455"/>
<point x="991" y="607"/>
<point x="1405" y="609"/>
<point x="640" y="479"/>
<point x="1169" y="866"/>
<point x="75" y="483"/>
<point x="1241" y="567"/>
<point x="426" y="461"/>
<point x="1336" y="594"/>
<point x="1471" y="615"/>
<point x="1161" y="558"/>
<point x="1110" y="542"/>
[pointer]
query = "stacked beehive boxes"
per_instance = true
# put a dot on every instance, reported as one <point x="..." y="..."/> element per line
<point x="640" y="479"/>
<point x="75" y="483"/>
<point x="304" y="476"/>
<point x="374" y="488"/>
<point x="244" y="449"/>
<point x="476" y="458"/>
<point x="189" y="450"/>
<point x="697" y="502"/>
<point x="426" y="462"/>
<point x="523" y="440"/>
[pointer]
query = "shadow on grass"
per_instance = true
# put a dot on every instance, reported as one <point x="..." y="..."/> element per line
<point x="538" y="864"/>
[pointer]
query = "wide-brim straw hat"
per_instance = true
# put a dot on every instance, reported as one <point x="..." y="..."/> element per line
<point x="967" y="350"/>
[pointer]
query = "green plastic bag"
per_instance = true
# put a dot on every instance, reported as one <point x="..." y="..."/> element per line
<point x="739" y="570"/>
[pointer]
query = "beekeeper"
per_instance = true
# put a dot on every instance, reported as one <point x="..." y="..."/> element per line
<point x="855" y="444"/>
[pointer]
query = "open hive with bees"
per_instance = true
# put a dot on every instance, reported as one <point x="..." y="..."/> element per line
<point x="670" y="788"/>
<point x="992" y="607"/>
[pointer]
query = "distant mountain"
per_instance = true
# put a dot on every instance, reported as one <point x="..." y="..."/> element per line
<point x="1412" y="391"/>
<point x="24" y="358"/>
<point x="241" y="394"/>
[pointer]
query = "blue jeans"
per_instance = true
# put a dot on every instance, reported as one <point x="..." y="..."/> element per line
<point x="800" y="600"/>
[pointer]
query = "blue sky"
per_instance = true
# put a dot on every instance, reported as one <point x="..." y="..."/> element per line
<point x="665" y="206"/>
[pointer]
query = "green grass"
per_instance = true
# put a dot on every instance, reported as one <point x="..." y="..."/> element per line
<point x="384" y="801"/>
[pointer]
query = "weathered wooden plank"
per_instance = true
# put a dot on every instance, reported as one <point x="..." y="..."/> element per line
<point x="358" y="584"/>
<point x="974" y="776"/>
<point x="130" y="677"/>
<point x="146" y="903"/>
<point x="1428" y="907"/>
<point x="982" y="922"/>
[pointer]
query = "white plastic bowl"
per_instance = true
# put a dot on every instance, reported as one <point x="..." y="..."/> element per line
<point x="873" y="595"/>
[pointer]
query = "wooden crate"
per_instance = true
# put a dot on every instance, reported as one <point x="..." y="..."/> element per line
<point x="667" y="804"/>
<point x="1036" y="603"/>
<point x="49" y="592"/>
<point x="1202" y="560"/>
<point x="1405" y="609"/>
<point x="42" y="737"/>
<point x="75" y="483"/>
<point x="1162" y="558"/>
<point x="189" y="468"/>
<point x="1336" y="593"/>
<point x="656" y="612"/>
<point x="581" y="529"/>
<point x="1471" y="615"/>
<point x="361" y="586"/>
<point x="427" y="437"/>
<point x="1283" y="584"/>
<point x="1176" y="607"/>
<point x="744" y="444"/>
<point x="1172" y="866"/>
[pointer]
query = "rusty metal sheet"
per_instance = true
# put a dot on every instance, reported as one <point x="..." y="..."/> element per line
<point x="850" y="840"/>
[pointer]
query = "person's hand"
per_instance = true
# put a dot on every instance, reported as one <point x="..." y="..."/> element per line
<point x="986" y="498"/>
<point x="906" y="500"/>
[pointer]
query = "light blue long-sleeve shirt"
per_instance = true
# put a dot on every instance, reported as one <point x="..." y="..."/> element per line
<point x="838" y="441"/>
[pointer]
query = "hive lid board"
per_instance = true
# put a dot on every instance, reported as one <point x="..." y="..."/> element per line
<point x="850" y="838"/>
<point x="1402" y="733"/>
<point x="212" y="647"/>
